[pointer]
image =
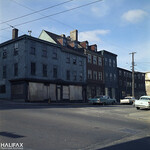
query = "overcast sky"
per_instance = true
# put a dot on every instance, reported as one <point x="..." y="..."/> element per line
<point x="118" y="26"/>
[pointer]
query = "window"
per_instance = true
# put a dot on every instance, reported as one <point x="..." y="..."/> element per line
<point x="44" y="53"/>
<point x="16" y="69"/>
<point x="44" y="70"/>
<point x="100" y="75"/>
<point x="111" y="76"/>
<point x="99" y="61"/>
<point x="114" y="77"/>
<point x="120" y="73"/>
<point x="74" y="60"/>
<point x="4" y="72"/>
<point x="54" y="55"/>
<point x="89" y="74"/>
<point x="55" y="72"/>
<point x="2" y="89"/>
<point x="4" y="52"/>
<point x="32" y="50"/>
<point x="114" y="63"/>
<point x="74" y="76"/>
<point x="16" y="49"/>
<point x="33" y="68"/>
<point x="89" y="58"/>
<point x="80" y="62"/>
<point x="81" y="76"/>
<point x="68" y="59"/>
<point x="109" y="62"/>
<point x="68" y="75"/>
<point x="95" y="60"/>
<point x="106" y="61"/>
<point x="94" y="75"/>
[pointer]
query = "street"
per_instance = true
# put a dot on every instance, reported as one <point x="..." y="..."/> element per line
<point x="74" y="126"/>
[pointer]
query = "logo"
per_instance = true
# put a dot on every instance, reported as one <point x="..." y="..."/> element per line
<point x="12" y="146"/>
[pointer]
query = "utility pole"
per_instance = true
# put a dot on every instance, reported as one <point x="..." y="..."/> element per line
<point x="133" y="64"/>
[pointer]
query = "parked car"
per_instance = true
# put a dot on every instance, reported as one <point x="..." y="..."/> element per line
<point x="143" y="102"/>
<point x="127" y="100"/>
<point x="102" y="99"/>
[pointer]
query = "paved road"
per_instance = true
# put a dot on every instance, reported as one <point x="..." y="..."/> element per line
<point x="71" y="127"/>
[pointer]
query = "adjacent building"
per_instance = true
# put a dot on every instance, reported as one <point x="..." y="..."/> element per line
<point x="95" y="70"/>
<point x="147" y="83"/>
<point x="125" y="83"/>
<point x="110" y="73"/>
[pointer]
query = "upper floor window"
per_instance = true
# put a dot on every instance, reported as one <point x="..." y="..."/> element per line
<point x="68" y="74"/>
<point x="80" y="62"/>
<point x="54" y="55"/>
<point x="89" y="58"/>
<point x="32" y="50"/>
<point x="74" y="76"/>
<point x="4" y="72"/>
<point x="95" y="60"/>
<point x="106" y="61"/>
<point x="4" y="52"/>
<point x="33" y="68"/>
<point x="16" y="49"/>
<point x="100" y="75"/>
<point x="99" y="61"/>
<point x="81" y="76"/>
<point x="44" y="53"/>
<point x="110" y="63"/>
<point x="44" y="70"/>
<point x="120" y="73"/>
<point x="114" y="63"/>
<point x="89" y="74"/>
<point x="115" y="77"/>
<point x="94" y="75"/>
<point x="74" y="60"/>
<point x="16" y="69"/>
<point x="55" y="72"/>
<point x="110" y="76"/>
<point x="67" y="59"/>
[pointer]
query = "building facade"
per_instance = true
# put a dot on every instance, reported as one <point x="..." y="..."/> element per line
<point x="95" y="70"/>
<point x="125" y="83"/>
<point x="110" y="73"/>
<point x="34" y="69"/>
<point x="147" y="83"/>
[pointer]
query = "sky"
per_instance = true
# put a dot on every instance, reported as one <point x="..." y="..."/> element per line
<point x="118" y="26"/>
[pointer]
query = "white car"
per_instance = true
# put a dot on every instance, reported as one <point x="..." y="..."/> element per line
<point x="143" y="102"/>
<point x="127" y="100"/>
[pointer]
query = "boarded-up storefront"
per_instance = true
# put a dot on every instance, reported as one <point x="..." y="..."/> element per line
<point x="75" y="92"/>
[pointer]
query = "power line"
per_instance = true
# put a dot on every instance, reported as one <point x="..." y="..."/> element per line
<point x="36" y="11"/>
<point x="42" y="14"/>
<point x="56" y="13"/>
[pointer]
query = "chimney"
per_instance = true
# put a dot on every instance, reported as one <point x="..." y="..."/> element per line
<point x="14" y="33"/>
<point x="93" y="47"/>
<point x="74" y="35"/>
<point x="84" y="44"/>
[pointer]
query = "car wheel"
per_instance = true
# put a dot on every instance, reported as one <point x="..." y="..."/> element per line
<point x="137" y="108"/>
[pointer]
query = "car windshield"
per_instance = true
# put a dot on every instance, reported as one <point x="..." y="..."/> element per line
<point x="145" y="98"/>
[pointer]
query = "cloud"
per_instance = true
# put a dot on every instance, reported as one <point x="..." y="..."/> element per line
<point x="134" y="16"/>
<point x="92" y="36"/>
<point x="101" y="10"/>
